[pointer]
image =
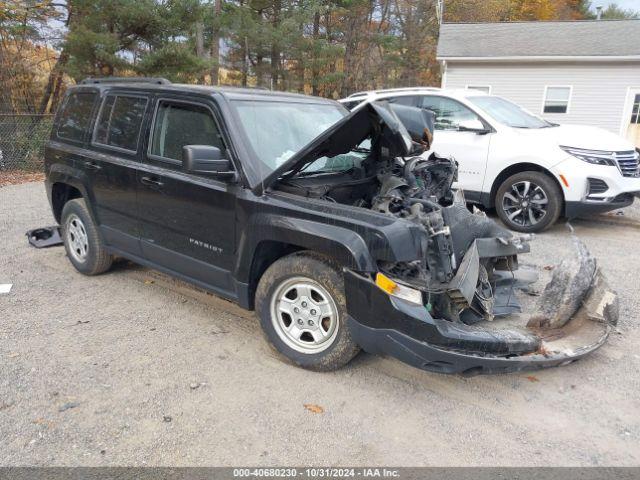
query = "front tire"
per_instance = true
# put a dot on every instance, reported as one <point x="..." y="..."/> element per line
<point x="302" y="310"/>
<point x="528" y="202"/>
<point x="82" y="242"/>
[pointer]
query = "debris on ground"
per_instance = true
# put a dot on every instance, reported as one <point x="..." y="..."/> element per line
<point x="532" y="378"/>
<point x="68" y="406"/>
<point x="569" y="284"/>
<point x="167" y="419"/>
<point x="313" y="408"/>
<point x="44" y="422"/>
<point x="5" y="287"/>
<point x="45" y="237"/>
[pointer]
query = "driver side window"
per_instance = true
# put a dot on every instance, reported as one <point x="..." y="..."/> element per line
<point x="449" y="113"/>
<point x="177" y="124"/>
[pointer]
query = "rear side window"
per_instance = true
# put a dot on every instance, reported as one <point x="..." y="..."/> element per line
<point x="408" y="100"/>
<point x="76" y="116"/>
<point x="449" y="113"/>
<point x="179" y="124"/>
<point x="120" y="121"/>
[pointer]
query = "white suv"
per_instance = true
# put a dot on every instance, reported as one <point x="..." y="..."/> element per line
<point x="532" y="171"/>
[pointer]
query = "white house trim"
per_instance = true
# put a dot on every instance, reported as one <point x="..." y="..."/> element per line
<point x="546" y="58"/>
<point x="471" y="86"/>
<point x="443" y="82"/>
<point x="628" y="107"/>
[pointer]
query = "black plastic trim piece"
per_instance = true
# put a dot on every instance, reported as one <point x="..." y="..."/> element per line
<point x="101" y="80"/>
<point x="424" y="356"/>
<point x="579" y="209"/>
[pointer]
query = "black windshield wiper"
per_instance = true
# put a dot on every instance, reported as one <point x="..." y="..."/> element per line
<point x="318" y="172"/>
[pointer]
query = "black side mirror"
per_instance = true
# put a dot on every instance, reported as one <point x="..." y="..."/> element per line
<point x="474" y="126"/>
<point x="205" y="159"/>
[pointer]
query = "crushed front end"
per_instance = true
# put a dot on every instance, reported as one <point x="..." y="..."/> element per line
<point x="466" y="306"/>
<point x="458" y="304"/>
<point x="473" y="321"/>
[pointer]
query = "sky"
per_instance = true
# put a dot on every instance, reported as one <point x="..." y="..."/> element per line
<point x="626" y="4"/>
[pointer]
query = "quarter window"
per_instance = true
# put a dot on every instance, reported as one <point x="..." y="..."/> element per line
<point x="179" y="124"/>
<point x="120" y="121"/>
<point x="556" y="99"/>
<point x="409" y="100"/>
<point x="449" y="113"/>
<point x="76" y="116"/>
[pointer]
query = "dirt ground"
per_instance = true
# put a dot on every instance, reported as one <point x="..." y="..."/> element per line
<point x="15" y="177"/>
<point x="130" y="368"/>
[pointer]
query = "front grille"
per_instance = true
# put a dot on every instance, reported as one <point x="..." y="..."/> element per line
<point x="597" y="186"/>
<point x="628" y="163"/>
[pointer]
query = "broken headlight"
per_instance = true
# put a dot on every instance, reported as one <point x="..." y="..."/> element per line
<point x="398" y="290"/>
<point x="596" y="157"/>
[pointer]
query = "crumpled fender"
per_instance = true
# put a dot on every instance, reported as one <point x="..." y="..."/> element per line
<point x="346" y="246"/>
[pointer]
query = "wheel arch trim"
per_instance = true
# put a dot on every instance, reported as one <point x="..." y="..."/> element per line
<point x="66" y="175"/>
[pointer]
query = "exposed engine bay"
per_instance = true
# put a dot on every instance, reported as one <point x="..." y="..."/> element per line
<point x="418" y="188"/>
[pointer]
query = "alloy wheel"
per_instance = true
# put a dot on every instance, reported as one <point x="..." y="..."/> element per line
<point x="525" y="204"/>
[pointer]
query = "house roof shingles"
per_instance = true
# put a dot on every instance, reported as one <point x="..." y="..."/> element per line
<point x="604" y="38"/>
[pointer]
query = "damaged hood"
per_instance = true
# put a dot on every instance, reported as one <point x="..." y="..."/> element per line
<point x="375" y="118"/>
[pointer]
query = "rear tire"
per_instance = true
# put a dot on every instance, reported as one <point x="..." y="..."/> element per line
<point x="528" y="202"/>
<point x="82" y="242"/>
<point x="302" y="310"/>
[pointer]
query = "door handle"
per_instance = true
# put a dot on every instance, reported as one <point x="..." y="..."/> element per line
<point x="152" y="182"/>
<point x="92" y="166"/>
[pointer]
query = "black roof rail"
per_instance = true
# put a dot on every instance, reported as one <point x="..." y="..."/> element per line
<point x="98" y="80"/>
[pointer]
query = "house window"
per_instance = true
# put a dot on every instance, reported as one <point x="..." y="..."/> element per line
<point x="635" y="110"/>
<point x="481" y="88"/>
<point x="556" y="99"/>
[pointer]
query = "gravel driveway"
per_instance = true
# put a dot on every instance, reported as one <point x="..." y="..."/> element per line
<point x="132" y="368"/>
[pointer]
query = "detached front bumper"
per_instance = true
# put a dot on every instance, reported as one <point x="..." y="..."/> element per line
<point x="382" y="324"/>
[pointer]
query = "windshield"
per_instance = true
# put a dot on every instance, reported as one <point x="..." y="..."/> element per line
<point x="508" y="113"/>
<point x="278" y="130"/>
<point x="339" y="163"/>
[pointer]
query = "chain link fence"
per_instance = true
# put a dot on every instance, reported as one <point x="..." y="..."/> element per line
<point x="22" y="140"/>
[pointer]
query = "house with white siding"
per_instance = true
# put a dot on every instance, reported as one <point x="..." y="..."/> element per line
<point x="580" y="72"/>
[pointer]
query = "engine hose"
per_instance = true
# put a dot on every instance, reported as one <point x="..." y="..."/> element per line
<point x="408" y="172"/>
<point x="426" y="203"/>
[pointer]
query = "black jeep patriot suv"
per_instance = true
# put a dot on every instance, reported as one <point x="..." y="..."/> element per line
<point x="339" y="228"/>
